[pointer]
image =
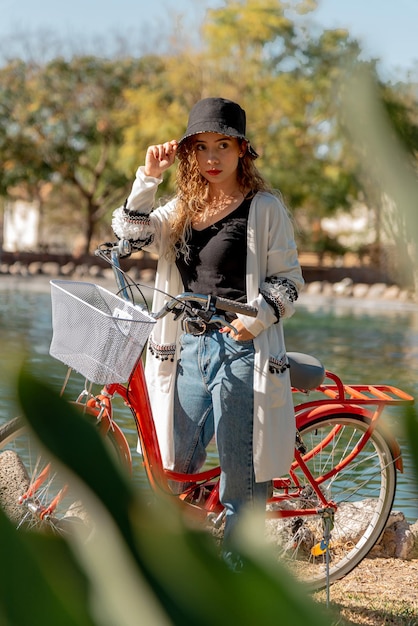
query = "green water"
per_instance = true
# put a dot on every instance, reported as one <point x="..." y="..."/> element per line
<point x="362" y="342"/>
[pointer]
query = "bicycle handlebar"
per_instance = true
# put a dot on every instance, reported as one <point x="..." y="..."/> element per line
<point x="212" y="303"/>
<point x="113" y="251"/>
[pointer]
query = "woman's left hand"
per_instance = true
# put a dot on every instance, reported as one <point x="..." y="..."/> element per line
<point x="242" y="333"/>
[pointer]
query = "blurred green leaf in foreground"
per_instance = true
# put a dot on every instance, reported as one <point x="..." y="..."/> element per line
<point x="141" y="564"/>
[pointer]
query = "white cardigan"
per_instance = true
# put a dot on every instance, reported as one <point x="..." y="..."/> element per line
<point x="271" y="252"/>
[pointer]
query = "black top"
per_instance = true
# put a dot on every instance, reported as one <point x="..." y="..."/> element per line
<point x="218" y="254"/>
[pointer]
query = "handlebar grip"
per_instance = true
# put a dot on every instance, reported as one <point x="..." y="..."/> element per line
<point x="235" y="307"/>
<point x="119" y="249"/>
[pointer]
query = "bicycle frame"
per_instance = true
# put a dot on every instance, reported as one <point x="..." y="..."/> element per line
<point x="367" y="401"/>
<point x="343" y="476"/>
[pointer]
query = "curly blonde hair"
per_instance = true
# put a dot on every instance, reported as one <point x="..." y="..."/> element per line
<point x="192" y="190"/>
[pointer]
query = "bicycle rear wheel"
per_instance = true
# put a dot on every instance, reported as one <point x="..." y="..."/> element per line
<point x="29" y="482"/>
<point x="363" y="491"/>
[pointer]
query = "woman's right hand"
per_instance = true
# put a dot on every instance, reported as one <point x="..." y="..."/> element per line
<point x="159" y="158"/>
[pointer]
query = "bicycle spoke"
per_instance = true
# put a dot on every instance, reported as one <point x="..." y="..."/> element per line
<point x="47" y="500"/>
<point x="362" y="491"/>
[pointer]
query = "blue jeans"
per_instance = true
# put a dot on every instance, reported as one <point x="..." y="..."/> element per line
<point x="214" y="396"/>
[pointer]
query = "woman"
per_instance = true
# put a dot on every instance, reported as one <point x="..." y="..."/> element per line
<point x="224" y="233"/>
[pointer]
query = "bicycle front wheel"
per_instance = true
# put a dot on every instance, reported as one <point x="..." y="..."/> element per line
<point x="33" y="493"/>
<point x="363" y="492"/>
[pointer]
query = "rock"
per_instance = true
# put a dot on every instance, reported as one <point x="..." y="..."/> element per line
<point x="95" y="271"/>
<point x="67" y="269"/>
<point x="314" y="288"/>
<point x="392" y="292"/>
<point x="51" y="268"/>
<point x="404" y="295"/>
<point x="414" y="531"/>
<point x="108" y="273"/>
<point x="376" y="291"/>
<point x="14" y="481"/>
<point x="35" y="268"/>
<point x="327" y="289"/>
<point x="80" y="271"/>
<point x="18" y="269"/>
<point x="360" y="290"/>
<point x="344" y="287"/>
<point x="76" y="518"/>
<point x="398" y="540"/>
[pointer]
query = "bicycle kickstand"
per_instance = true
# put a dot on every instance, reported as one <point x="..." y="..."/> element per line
<point x="328" y="521"/>
<point x="323" y="546"/>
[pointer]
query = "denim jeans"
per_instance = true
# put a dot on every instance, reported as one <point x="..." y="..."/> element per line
<point x="214" y="396"/>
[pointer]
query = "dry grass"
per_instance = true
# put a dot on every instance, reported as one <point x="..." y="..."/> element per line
<point x="379" y="592"/>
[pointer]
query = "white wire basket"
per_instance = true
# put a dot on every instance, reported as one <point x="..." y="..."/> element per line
<point x="96" y="333"/>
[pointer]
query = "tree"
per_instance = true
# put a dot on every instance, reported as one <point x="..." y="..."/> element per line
<point x="285" y="74"/>
<point x="59" y="126"/>
<point x="255" y="53"/>
<point x="76" y="130"/>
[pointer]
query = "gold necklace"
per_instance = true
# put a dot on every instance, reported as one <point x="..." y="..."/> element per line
<point x="218" y="205"/>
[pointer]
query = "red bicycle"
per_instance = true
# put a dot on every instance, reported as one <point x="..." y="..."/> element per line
<point x="322" y="518"/>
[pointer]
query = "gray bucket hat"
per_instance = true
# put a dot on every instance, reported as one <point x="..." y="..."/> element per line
<point x="217" y="115"/>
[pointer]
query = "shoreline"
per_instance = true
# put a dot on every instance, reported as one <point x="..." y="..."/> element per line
<point x="311" y="297"/>
<point x="316" y="293"/>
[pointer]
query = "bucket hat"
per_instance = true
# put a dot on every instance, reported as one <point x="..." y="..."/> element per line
<point x="218" y="115"/>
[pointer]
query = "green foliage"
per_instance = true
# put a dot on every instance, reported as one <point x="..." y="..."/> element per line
<point x="386" y="155"/>
<point x="40" y="581"/>
<point x="73" y="132"/>
<point x="141" y="560"/>
<point x="59" y="129"/>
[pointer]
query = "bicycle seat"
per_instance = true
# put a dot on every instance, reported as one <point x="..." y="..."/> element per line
<point x="306" y="371"/>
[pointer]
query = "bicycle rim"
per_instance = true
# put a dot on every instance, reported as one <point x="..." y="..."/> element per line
<point x="25" y="467"/>
<point x="363" y="492"/>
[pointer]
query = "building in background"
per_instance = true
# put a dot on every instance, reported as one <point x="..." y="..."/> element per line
<point x="21" y="226"/>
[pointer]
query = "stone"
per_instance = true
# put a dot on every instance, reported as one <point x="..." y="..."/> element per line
<point x="35" y="268"/>
<point x="51" y="269"/>
<point x="314" y="288"/>
<point x="344" y="287"/>
<point x="80" y="271"/>
<point x="397" y="540"/>
<point x="392" y="292"/>
<point x="376" y="291"/>
<point x="360" y="290"/>
<point x="18" y="269"/>
<point x="327" y="289"/>
<point x="67" y="269"/>
<point x="95" y="271"/>
<point x="14" y="481"/>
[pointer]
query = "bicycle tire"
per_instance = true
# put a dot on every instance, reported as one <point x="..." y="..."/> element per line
<point x="21" y="462"/>
<point x="363" y="492"/>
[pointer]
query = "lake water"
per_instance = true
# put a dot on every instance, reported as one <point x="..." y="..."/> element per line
<point x="363" y="342"/>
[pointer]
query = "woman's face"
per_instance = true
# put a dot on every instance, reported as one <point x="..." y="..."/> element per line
<point x="218" y="156"/>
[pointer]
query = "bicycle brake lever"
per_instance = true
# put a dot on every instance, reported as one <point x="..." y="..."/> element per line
<point x="217" y="319"/>
<point x="177" y="312"/>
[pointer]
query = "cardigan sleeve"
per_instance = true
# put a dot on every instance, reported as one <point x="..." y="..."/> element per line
<point x="133" y="220"/>
<point x="283" y="279"/>
<point x="280" y="275"/>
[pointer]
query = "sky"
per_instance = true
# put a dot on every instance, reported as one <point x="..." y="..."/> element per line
<point x="386" y="28"/>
